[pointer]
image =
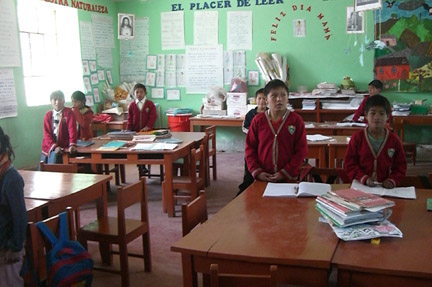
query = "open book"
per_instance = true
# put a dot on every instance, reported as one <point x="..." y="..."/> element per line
<point x="296" y="189"/>
<point x="402" y="192"/>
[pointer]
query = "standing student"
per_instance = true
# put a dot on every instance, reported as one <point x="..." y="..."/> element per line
<point x="83" y="115"/>
<point x="13" y="217"/>
<point x="375" y="88"/>
<point x="59" y="130"/>
<point x="142" y="112"/>
<point x="261" y="107"/>
<point x="276" y="141"/>
<point x="375" y="155"/>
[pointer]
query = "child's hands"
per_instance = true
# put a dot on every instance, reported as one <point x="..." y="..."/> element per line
<point x="72" y="150"/>
<point x="276" y="177"/>
<point x="264" y="176"/>
<point x="388" y="184"/>
<point x="144" y="129"/>
<point x="58" y="150"/>
<point x="370" y="182"/>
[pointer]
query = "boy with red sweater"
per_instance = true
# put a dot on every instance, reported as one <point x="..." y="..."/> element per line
<point x="142" y="112"/>
<point x="375" y="155"/>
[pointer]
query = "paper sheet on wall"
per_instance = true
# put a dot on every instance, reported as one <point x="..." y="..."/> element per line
<point x="206" y="28"/>
<point x="88" y="51"/>
<point x="104" y="57"/>
<point x="133" y="53"/>
<point x="8" y="107"/>
<point x="204" y="68"/>
<point x="172" y="30"/>
<point x="239" y="30"/>
<point x="103" y="31"/>
<point x="9" y="48"/>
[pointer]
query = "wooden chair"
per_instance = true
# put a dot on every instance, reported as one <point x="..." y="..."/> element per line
<point x="211" y="152"/>
<point x="194" y="213"/>
<point x="121" y="230"/>
<point x="187" y="186"/>
<point x="324" y="175"/>
<point x="238" y="280"/>
<point x="119" y="172"/>
<point x="418" y="181"/>
<point x="37" y="245"/>
<point x="399" y="128"/>
<point x="66" y="168"/>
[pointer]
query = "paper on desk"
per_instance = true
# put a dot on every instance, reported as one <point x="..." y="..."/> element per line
<point x="401" y="192"/>
<point x="296" y="190"/>
<point x="317" y="137"/>
<point x="351" y="124"/>
<point x="155" y="146"/>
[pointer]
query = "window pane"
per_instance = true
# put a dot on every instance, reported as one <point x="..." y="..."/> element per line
<point x="25" y="53"/>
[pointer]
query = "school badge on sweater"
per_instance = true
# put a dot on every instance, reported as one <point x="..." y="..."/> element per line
<point x="291" y="129"/>
<point x="390" y="152"/>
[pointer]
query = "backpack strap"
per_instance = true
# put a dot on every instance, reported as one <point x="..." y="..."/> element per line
<point x="63" y="227"/>
<point x="47" y="232"/>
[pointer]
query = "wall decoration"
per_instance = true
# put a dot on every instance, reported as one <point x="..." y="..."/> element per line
<point x="355" y="21"/>
<point x="299" y="27"/>
<point x="403" y="51"/>
<point x="363" y="5"/>
<point x="151" y="62"/>
<point x="173" y="95"/>
<point x="253" y="78"/>
<point x="157" y="93"/>
<point x="126" y="26"/>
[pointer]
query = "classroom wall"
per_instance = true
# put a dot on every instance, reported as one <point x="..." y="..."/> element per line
<point x="327" y="53"/>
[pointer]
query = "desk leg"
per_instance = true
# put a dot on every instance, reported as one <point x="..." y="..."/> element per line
<point x="189" y="276"/>
<point x="168" y="186"/>
<point x="331" y="157"/>
<point x="102" y="211"/>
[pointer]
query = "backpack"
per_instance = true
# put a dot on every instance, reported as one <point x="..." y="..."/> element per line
<point x="68" y="263"/>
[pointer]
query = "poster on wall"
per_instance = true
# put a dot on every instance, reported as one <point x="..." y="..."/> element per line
<point x="355" y="21"/>
<point x="126" y="26"/>
<point x="9" y="105"/>
<point x="9" y="47"/>
<point x="403" y="57"/>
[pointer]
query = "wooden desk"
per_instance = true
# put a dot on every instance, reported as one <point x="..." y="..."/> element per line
<point x="201" y="122"/>
<point x="326" y="152"/>
<point x="399" y="123"/>
<point x="330" y="129"/>
<point x="318" y="150"/>
<point x="337" y="150"/>
<point x="106" y="127"/>
<point x="35" y="209"/>
<point x="251" y="233"/>
<point x="394" y="262"/>
<point x="93" y="155"/>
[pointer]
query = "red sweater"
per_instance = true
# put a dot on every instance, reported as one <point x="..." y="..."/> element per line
<point x="361" y="161"/>
<point x="284" y="153"/>
<point x="137" y="119"/>
<point x="67" y="135"/>
<point x="84" y="121"/>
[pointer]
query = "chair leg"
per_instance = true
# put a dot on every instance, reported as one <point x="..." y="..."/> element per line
<point x="124" y="266"/>
<point x="164" y="207"/>
<point x="117" y="174"/>
<point x="214" y="168"/>
<point x="161" y="170"/>
<point x="123" y="173"/>
<point x="147" y="250"/>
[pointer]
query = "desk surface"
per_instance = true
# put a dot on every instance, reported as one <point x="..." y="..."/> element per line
<point x="252" y="232"/>
<point x="408" y="257"/>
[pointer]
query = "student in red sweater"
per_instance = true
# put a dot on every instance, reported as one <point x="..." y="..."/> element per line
<point x="142" y="112"/>
<point x="83" y="115"/>
<point x="276" y="142"/>
<point x="59" y="130"/>
<point x="375" y="155"/>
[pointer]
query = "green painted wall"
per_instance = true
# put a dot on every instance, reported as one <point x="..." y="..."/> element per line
<point x="312" y="59"/>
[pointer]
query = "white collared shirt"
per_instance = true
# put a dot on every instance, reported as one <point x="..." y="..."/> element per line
<point x="140" y="104"/>
<point x="57" y="115"/>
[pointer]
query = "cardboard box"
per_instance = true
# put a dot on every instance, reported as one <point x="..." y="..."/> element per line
<point x="237" y="110"/>
<point x="214" y="112"/>
<point x="236" y="99"/>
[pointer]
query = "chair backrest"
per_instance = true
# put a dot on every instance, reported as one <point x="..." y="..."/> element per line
<point x="211" y="134"/>
<point x="129" y="195"/>
<point x="194" y="212"/>
<point x="326" y="175"/>
<point x="66" y="168"/>
<point x="418" y="181"/>
<point x="38" y="245"/>
<point x="400" y="122"/>
<point x="197" y="157"/>
<point x="238" y="280"/>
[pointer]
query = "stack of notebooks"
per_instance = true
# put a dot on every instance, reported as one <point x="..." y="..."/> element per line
<point x="356" y="215"/>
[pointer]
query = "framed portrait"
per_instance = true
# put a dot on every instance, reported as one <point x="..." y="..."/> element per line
<point x="355" y="21"/>
<point x="363" y="5"/>
<point x="126" y="26"/>
<point x="253" y="78"/>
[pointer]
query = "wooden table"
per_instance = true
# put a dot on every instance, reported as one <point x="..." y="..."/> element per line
<point x="394" y="262"/>
<point x="201" y="122"/>
<point x="93" y="155"/>
<point x="61" y="190"/>
<point x="326" y="152"/>
<point x="337" y="150"/>
<point x="109" y="126"/>
<point x="251" y="233"/>
<point x="330" y="129"/>
<point x="35" y="209"/>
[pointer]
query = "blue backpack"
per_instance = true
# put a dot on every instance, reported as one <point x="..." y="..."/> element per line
<point x="68" y="263"/>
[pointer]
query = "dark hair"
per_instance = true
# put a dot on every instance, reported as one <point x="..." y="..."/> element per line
<point x="78" y="96"/>
<point x="126" y="18"/>
<point x="377" y="84"/>
<point x="5" y="146"/>
<point x="260" y="91"/>
<point x="275" y="84"/>
<point x="137" y="86"/>
<point x="378" y="101"/>
<point x="57" y="94"/>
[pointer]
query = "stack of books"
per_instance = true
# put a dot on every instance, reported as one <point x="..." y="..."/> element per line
<point x="350" y="210"/>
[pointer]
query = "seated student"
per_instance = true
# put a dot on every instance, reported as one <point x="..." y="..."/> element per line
<point x="83" y="115"/>
<point x="59" y="130"/>
<point x="276" y="141"/>
<point x="13" y="217"/>
<point x="375" y="88"/>
<point x="261" y="107"/>
<point x="142" y="112"/>
<point x="376" y="155"/>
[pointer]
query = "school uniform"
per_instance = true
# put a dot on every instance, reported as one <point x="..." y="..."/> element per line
<point x="66" y="130"/>
<point x="248" y="119"/>
<point x="84" y="118"/>
<point x="276" y="147"/>
<point x="389" y="162"/>
<point x="360" y="111"/>
<point x="138" y="118"/>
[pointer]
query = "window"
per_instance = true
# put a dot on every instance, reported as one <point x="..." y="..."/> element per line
<point x="50" y="48"/>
